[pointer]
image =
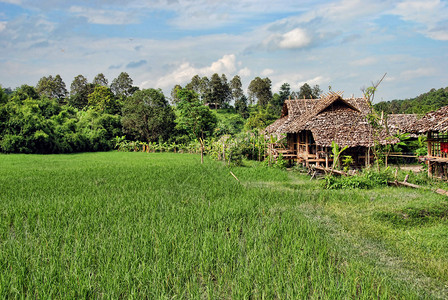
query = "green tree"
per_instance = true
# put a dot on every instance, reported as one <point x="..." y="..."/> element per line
<point x="279" y="99"/>
<point x="316" y="91"/>
<point x="79" y="85"/>
<point x="3" y="96"/>
<point x="241" y="107"/>
<point x="277" y="104"/>
<point x="305" y="92"/>
<point x="226" y="91"/>
<point x="285" y="91"/>
<point x="93" y="130"/>
<point x="174" y="99"/>
<point x="44" y="126"/>
<point x="80" y="89"/>
<point x="195" y="85"/>
<point x="24" y="92"/>
<point x="24" y="128"/>
<point x="146" y="115"/>
<point x="230" y="124"/>
<point x="100" y="79"/>
<point x="206" y="91"/>
<point x="122" y="86"/>
<point x="308" y="92"/>
<point x="8" y="91"/>
<point x="236" y="88"/>
<point x="219" y="90"/>
<point x="52" y="87"/>
<point x="103" y="100"/>
<point x="260" y="118"/>
<point x="260" y="90"/>
<point x="426" y="102"/>
<point x="195" y="118"/>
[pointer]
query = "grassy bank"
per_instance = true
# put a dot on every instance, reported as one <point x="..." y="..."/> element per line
<point x="163" y="226"/>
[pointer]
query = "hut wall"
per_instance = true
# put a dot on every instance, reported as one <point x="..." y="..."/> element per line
<point x="307" y="152"/>
<point x="292" y="141"/>
<point x="437" y="144"/>
<point x="437" y="158"/>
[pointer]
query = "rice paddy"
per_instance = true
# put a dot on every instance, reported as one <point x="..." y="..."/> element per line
<point x="161" y="225"/>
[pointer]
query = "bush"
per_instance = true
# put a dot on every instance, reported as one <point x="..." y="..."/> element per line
<point x="43" y="126"/>
<point x="366" y="180"/>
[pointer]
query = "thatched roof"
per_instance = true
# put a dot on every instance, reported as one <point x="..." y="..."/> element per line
<point x="401" y="123"/>
<point x="433" y="121"/>
<point x="330" y="119"/>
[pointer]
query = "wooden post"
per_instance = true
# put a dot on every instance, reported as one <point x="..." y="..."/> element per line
<point x="269" y="154"/>
<point x="317" y="158"/>
<point x="386" y="160"/>
<point x="366" y="157"/>
<point x="429" y="154"/>
<point x="307" y="148"/>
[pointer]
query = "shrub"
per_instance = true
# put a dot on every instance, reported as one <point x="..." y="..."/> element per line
<point x="366" y="180"/>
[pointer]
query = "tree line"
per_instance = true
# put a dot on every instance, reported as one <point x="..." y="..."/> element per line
<point x="49" y="118"/>
<point x="424" y="103"/>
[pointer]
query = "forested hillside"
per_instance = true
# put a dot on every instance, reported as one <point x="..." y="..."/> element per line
<point x="432" y="100"/>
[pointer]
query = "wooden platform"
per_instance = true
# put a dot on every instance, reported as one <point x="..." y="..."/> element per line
<point x="433" y="159"/>
<point x="286" y="153"/>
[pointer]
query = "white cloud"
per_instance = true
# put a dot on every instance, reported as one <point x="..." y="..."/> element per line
<point x="104" y="17"/>
<point x="255" y="25"/>
<point x="26" y="29"/>
<point x="290" y="78"/>
<point x="441" y="35"/>
<point x="225" y="64"/>
<point x="17" y="2"/>
<point x="430" y="14"/>
<point x="267" y="72"/>
<point x="417" y="73"/>
<point x="389" y="79"/>
<point x="364" y="61"/>
<point x="350" y="9"/>
<point x="244" y="72"/>
<point x="419" y="11"/>
<point x="296" y="38"/>
<point x="293" y="39"/>
<point x="313" y="81"/>
<point x="198" y="14"/>
<point x="184" y="73"/>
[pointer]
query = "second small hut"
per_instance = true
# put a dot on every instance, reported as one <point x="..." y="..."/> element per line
<point x="435" y="125"/>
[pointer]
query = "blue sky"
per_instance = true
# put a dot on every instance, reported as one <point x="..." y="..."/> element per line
<point x="344" y="44"/>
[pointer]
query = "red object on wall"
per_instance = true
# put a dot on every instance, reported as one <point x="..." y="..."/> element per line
<point x="444" y="147"/>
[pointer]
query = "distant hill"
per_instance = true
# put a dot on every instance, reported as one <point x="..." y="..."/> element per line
<point x="432" y="100"/>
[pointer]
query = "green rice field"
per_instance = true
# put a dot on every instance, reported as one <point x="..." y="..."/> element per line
<point x="163" y="226"/>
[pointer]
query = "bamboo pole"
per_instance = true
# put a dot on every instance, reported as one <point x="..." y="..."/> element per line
<point x="429" y="154"/>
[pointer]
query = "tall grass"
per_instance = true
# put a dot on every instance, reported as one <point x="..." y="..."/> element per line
<point x="161" y="225"/>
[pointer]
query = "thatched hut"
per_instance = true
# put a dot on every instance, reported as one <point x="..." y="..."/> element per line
<point x="435" y="125"/>
<point x="312" y="125"/>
